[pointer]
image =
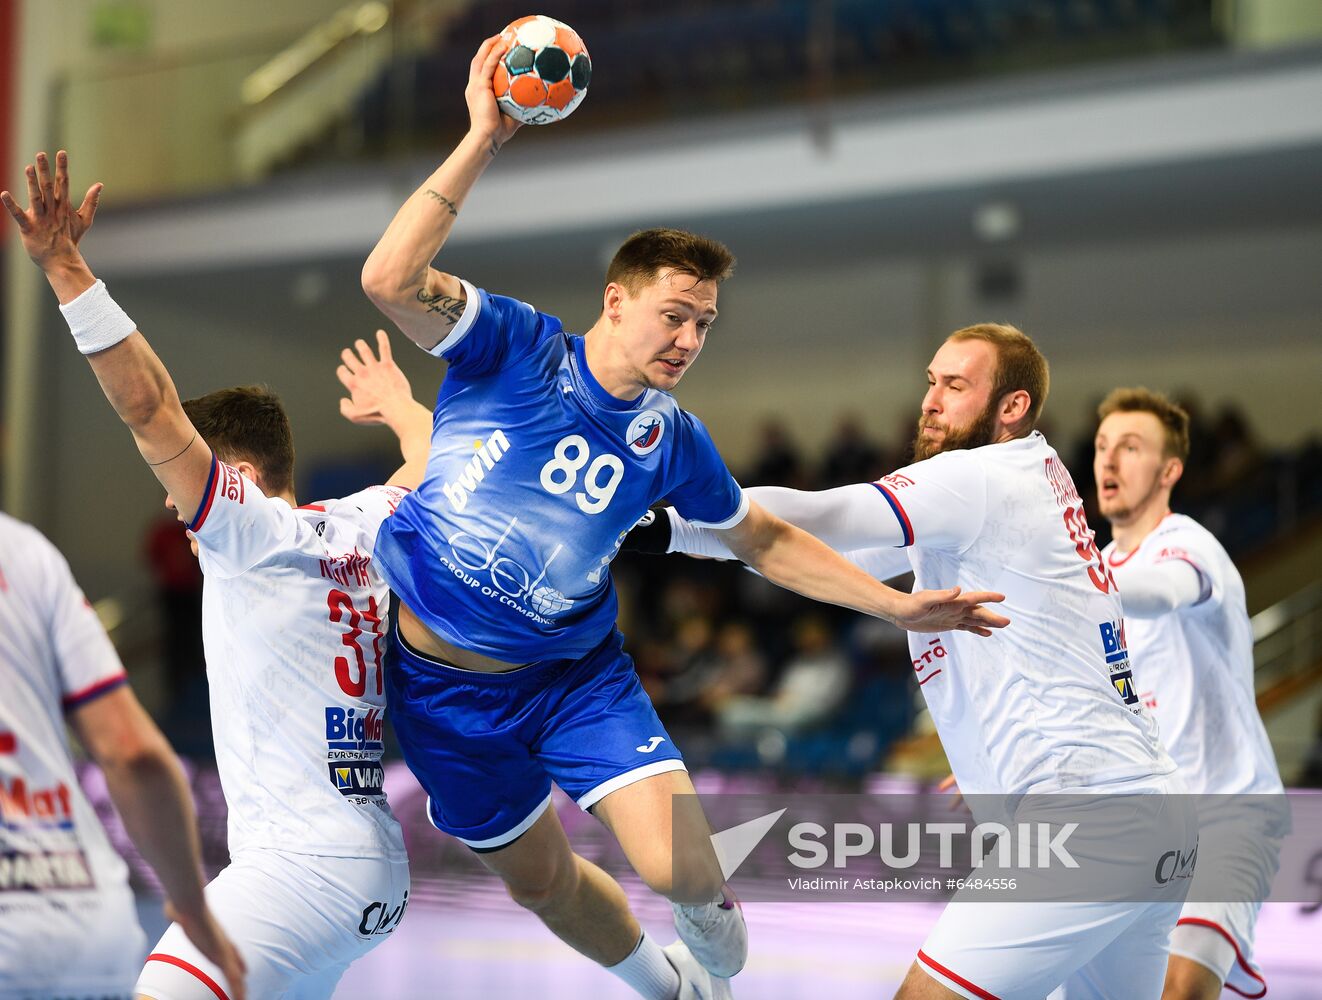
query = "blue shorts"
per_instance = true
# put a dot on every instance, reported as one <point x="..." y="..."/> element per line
<point x="486" y="747"/>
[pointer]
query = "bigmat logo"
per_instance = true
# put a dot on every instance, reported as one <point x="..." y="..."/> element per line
<point x="351" y="730"/>
<point x="1116" y="649"/>
<point x="35" y="808"/>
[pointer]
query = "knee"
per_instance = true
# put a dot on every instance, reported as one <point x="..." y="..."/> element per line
<point x="683" y="883"/>
<point x="1190" y="988"/>
<point x="544" y="891"/>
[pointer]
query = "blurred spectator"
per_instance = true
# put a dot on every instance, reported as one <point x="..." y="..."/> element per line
<point x="1237" y="460"/>
<point x="714" y="672"/>
<point x="675" y="678"/>
<point x="852" y="457"/>
<point x="812" y="686"/>
<point x="178" y="582"/>
<point x="1196" y="481"/>
<point x="777" y="462"/>
<point x="738" y="667"/>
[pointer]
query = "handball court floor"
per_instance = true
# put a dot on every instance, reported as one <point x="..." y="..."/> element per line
<point x="462" y="938"/>
<point x="487" y="947"/>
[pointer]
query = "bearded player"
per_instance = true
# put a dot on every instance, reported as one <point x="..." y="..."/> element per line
<point x="1047" y="706"/>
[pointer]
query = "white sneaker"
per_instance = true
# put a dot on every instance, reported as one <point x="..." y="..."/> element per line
<point x="715" y="933"/>
<point x="695" y="982"/>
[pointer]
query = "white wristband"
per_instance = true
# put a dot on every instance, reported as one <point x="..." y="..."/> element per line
<point x="96" y="320"/>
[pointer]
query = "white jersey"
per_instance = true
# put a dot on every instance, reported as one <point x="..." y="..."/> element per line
<point x="1194" y="665"/>
<point x="1047" y="704"/>
<point x="59" y="875"/>
<point x="292" y="623"/>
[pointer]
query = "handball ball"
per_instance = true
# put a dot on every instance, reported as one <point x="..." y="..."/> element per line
<point x="544" y="73"/>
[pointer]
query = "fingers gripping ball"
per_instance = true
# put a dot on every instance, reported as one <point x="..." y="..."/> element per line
<point x="544" y="73"/>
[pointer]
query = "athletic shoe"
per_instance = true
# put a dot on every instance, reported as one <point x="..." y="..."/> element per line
<point x="715" y="933"/>
<point x="695" y="982"/>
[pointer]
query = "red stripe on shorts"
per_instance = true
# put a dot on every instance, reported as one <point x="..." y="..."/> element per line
<point x="206" y="980"/>
<point x="1247" y="969"/>
<point x="977" y="991"/>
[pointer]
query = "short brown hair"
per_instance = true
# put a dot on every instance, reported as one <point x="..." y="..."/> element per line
<point x="1019" y="364"/>
<point x="1174" y="418"/>
<point x="247" y="424"/>
<point x="650" y="252"/>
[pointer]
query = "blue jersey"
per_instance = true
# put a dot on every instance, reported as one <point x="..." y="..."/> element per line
<point x="536" y="474"/>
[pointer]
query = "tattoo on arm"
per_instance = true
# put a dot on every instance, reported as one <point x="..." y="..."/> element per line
<point x="453" y="208"/>
<point x="446" y="306"/>
<point x="494" y="148"/>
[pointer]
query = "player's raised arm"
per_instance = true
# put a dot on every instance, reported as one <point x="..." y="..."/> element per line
<point x="794" y="559"/>
<point x="398" y="277"/>
<point x="131" y="375"/>
<point x="379" y="393"/>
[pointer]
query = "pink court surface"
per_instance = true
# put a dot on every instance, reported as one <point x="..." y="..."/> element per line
<point x="463" y="938"/>
<point x="847" y="951"/>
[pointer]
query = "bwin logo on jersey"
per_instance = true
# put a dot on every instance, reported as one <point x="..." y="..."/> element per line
<point x="489" y="452"/>
<point x="645" y="432"/>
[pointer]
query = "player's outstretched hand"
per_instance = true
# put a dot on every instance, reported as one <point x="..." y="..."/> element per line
<point x="484" y="113"/>
<point x="377" y="387"/>
<point x="950" y="611"/>
<point x="212" y="941"/>
<point x="51" y="227"/>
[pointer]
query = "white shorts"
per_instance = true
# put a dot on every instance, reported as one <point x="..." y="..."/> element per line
<point x="1027" y="948"/>
<point x="1238" y="858"/>
<point x="298" y="920"/>
<point x="1220" y="937"/>
<point x="42" y="930"/>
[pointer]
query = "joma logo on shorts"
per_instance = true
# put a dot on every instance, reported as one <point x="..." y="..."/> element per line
<point x="489" y="452"/>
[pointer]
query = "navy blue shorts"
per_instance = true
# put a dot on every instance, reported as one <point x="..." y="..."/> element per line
<point x="486" y="747"/>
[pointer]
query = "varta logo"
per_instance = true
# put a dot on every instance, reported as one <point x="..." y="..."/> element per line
<point x="489" y="452"/>
<point x="357" y="777"/>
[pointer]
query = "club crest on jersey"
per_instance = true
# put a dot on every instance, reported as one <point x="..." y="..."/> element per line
<point x="646" y="432"/>
<point x="1116" y="650"/>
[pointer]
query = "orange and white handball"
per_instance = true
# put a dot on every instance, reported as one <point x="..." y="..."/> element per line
<point x="544" y="73"/>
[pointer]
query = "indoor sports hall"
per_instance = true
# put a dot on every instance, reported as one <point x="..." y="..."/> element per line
<point x="1133" y="183"/>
